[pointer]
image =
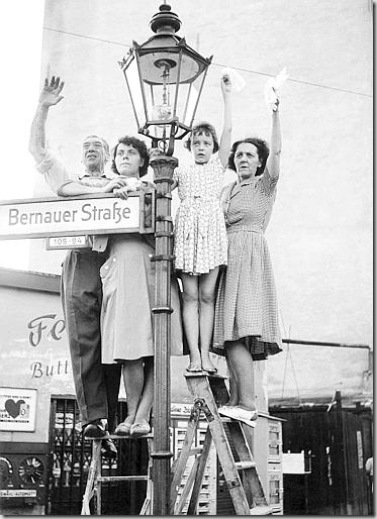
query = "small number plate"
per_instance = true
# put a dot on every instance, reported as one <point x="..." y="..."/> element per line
<point x="68" y="242"/>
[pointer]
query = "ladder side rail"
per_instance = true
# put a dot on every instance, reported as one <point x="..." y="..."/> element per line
<point x="175" y="464"/>
<point x="177" y="508"/>
<point x="97" y="482"/>
<point x="249" y="435"/>
<point x="184" y="454"/>
<point x="90" y="484"/>
<point x="146" y="508"/>
<point x="193" y="505"/>
<point x="193" y="452"/>
<point x="147" y="505"/>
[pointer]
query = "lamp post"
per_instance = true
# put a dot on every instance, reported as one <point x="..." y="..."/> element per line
<point x="164" y="78"/>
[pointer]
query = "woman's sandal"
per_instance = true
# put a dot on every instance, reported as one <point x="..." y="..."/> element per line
<point x="124" y="428"/>
<point x="140" y="428"/>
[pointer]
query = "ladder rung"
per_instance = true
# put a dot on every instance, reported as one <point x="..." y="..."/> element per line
<point x="243" y="465"/>
<point x="107" y="479"/>
<point x="148" y="436"/>
<point x="261" y="510"/>
<point x="195" y="451"/>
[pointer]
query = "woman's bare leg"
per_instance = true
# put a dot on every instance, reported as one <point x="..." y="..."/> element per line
<point x="133" y="379"/>
<point x="242" y="366"/>
<point x="233" y="385"/>
<point x="146" y="402"/>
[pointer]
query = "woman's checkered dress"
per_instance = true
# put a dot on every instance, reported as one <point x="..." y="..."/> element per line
<point x="246" y="306"/>
<point x="200" y="234"/>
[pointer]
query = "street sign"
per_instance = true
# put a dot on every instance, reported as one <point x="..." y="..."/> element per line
<point x="76" y="216"/>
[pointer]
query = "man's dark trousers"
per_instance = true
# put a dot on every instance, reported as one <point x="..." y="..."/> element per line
<point x="97" y="385"/>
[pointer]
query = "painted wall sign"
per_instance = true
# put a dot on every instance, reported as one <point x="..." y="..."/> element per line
<point x="17" y="409"/>
<point x="34" y="353"/>
<point x="56" y="216"/>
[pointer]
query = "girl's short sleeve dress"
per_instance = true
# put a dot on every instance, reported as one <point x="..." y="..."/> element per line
<point x="200" y="235"/>
<point x="246" y="305"/>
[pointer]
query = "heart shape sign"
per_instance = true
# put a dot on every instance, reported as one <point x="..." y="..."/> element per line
<point x="13" y="408"/>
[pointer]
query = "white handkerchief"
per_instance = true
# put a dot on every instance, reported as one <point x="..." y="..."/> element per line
<point x="272" y="89"/>
<point x="236" y="79"/>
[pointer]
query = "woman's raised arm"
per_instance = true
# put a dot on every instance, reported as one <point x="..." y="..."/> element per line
<point x="273" y="161"/>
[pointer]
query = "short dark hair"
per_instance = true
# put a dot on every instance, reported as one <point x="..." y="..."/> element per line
<point x="206" y="129"/>
<point x="263" y="153"/>
<point x="139" y="145"/>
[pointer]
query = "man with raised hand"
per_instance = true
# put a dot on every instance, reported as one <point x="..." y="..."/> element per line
<point x="97" y="385"/>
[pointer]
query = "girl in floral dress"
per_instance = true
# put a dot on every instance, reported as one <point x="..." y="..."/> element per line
<point x="200" y="235"/>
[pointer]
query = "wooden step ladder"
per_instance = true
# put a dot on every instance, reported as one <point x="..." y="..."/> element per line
<point x="95" y="478"/>
<point x="232" y="441"/>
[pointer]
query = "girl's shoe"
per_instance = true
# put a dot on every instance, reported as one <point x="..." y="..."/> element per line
<point x="193" y="367"/>
<point x="207" y="366"/>
<point x="210" y="371"/>
<point x="140" y="428"/>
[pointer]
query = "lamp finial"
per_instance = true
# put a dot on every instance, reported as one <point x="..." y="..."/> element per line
<point x="165" y="20"/>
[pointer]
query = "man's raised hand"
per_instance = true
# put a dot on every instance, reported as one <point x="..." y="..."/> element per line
<point x="50" y="94"/>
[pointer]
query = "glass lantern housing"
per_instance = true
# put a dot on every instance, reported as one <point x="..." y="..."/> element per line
<point x="164" y="77"/>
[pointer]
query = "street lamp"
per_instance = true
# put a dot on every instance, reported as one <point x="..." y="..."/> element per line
<point x="165" y="78"/>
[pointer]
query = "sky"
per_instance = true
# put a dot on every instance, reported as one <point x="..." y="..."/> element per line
<point x="20" y="54"/>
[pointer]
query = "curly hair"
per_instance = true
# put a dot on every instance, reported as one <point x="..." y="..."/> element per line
<point x="206" y="129"/>
<point x="139" y="145"/>
<point x="263" y="153"/>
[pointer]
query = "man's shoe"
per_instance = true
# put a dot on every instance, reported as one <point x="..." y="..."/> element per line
<point x="96" y="429"/>
<point x="108" y="448"/>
